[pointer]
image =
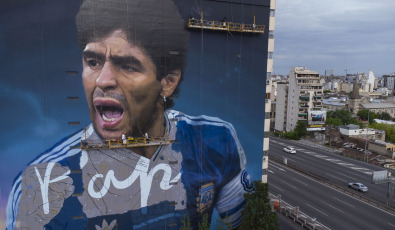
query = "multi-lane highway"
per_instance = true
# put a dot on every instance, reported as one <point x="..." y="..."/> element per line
<point x="332" y="208"/>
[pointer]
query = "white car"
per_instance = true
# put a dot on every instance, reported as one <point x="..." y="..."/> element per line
<point x="289" y="150"/>
<point x="358" y="186"/>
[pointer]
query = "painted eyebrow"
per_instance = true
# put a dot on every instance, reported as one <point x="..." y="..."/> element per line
<point x="125" y="60"/>
<point x="117" y="60"/>
<point x="92" y="54"/>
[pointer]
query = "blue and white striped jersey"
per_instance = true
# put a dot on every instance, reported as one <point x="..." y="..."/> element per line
<point x="69" y="188"/>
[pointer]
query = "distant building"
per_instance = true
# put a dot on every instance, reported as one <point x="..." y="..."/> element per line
<point x="384" y="122"/>
<point x="380" y="107"/>
<point x="382" y="148"/>
<point x="302" y="93"/>
<point x="354" y="99"/>
<point x="389" y="81"/>
<point x="334" y="103"/>
<point x="355" y="131"/>
<point x="383" y="91"/>
<point x="346" y="87"/>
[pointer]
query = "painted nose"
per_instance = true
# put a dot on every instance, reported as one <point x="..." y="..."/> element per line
<point x="106" y="80"/>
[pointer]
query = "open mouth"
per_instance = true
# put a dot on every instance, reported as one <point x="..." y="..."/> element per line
<point x="109" y="111"/>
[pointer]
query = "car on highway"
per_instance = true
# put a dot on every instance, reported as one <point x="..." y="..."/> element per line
<point x="290" y="149"/>
<point x="358" y="186"/>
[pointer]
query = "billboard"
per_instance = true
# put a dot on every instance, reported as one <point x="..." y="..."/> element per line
<point x="379" y="177"/>
<point x="123" y="116"/>
<point x="316" y="120"/>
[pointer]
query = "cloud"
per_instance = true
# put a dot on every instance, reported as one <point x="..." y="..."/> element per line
<point x="332" y="31"/>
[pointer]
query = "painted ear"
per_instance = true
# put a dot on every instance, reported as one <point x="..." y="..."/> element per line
<point x="170" y="82"/>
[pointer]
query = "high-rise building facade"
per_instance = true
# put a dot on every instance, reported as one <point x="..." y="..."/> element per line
<point x="270" y="51"/>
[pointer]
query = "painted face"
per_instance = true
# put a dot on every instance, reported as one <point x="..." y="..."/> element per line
<point x="120" y="85"/>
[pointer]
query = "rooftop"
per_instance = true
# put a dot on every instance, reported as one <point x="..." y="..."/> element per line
<point x="378" y="105"/>
<point x="384" y="121"/>
<point x="350" y="126"/>
<point x="382" y="142"/>
<point x="305" y="72"/>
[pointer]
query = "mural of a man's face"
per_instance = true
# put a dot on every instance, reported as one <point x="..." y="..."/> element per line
<point x="121" y="87"/>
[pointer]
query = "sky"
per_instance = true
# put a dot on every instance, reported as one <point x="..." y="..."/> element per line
<point x="352" y="35"/>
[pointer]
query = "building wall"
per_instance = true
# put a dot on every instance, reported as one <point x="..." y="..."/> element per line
<point x="269" y="70"/>
<point x="389" y="81"/>
<point x="292" y="104"/>
<point x="346" y="87"/>
<point x="281" y="106"/>
<point x="381" y="149"/>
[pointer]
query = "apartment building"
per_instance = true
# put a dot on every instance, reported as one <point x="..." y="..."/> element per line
<point x="302" y="94"/>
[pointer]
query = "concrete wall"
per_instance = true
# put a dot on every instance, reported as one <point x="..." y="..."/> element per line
<point x="280" y="106"/>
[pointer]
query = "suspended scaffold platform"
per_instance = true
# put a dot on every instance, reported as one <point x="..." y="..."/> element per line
<point x="225" y="26"/>
<point x="129" y="142"/>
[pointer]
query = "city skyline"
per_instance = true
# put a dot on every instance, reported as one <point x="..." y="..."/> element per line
<point x="353" y="36"/>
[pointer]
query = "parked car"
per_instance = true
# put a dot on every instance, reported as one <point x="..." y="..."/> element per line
<point x="347" y="145"/>
<point x="289" y="149"/>
<point x="358" y="186"/>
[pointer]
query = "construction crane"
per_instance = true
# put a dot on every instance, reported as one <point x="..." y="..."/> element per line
<point x="225" y="26"/>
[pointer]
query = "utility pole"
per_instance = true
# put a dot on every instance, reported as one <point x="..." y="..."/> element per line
<point x="366" y="141"/>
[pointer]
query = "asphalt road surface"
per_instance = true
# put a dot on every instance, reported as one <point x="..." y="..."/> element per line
<point x="332" y="208"/>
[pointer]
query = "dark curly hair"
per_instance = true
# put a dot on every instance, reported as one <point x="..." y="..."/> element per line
<point x="154" y="26"/>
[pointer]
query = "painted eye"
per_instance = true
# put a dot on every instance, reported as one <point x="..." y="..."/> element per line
<point x="92" y="62"/>
<point x="128" y="68"/>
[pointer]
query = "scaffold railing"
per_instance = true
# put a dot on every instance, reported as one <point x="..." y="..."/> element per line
<point x="225" y="26"/>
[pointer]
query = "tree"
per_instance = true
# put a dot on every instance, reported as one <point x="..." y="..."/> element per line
<point x="257" y="213"/>
<point x="301" y="129"/>
<point x="333" y="121"/>
<point x="356" y="122"/>
<point x="384" y="116"/>
<point x="364" y="114"/>
<point x="327" y="91"/>
<point x="342" y="114"/>
<point x="389" y="130"/>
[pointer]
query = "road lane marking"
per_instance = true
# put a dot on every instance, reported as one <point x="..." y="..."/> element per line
<point x="316" y="209"/>
<point x="271" y="171"/>
<point x="332" y="160"/>
<point x="344" y="164"/>
<point x="289" y="185"/>
<point x="392" y="224"/>
<point x="277" y="167"/>
<point x="343" y="202"/>
<point x="271" y="185"/>
<point x="332" y="207"/>
<point x="336" y="177"/>
<point x="297" y="158"/>
<point x="358" y="169"/>
<point x="300" y="181"/>
<point x="345" y="194"/>
<point x="346" y="176"/>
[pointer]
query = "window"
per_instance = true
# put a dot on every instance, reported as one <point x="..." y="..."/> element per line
<point x="272" y="14"/>
<point x="271" y="34"/>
